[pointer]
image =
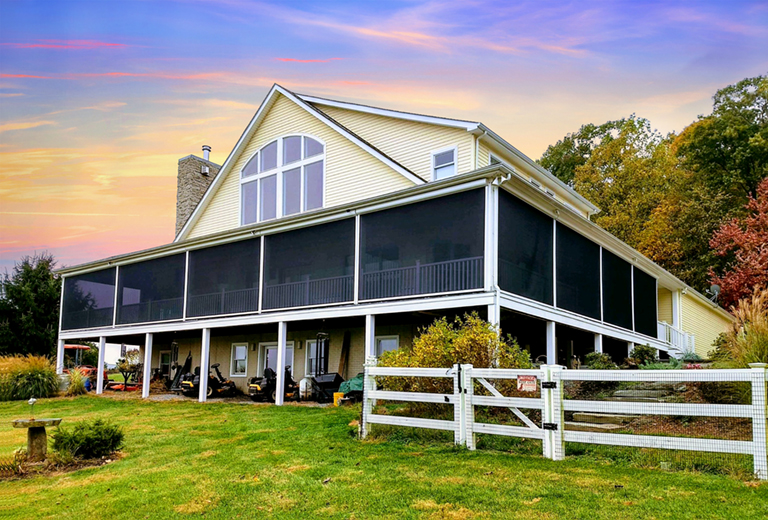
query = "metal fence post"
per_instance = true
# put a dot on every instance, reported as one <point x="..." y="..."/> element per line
<point x="759" y="419"/>
<point x="557" y="412"/>
<point x="469" y="408"/>
<point x="458" y="407"/>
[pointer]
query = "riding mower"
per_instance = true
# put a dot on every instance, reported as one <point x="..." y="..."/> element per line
<point x="265" y="388"/>
<point x="217" y="386"/>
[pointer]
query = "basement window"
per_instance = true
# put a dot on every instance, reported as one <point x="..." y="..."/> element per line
<point x="284" y="177"/>
<point x="238" y="367"/>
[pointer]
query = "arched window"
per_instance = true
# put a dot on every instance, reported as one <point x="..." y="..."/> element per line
<point x="284" y="177"/>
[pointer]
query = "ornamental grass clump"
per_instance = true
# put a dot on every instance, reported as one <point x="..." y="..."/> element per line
<point x="746" y="340"/>
<point x="76" y="382"/>
<point x="23" y="377"/>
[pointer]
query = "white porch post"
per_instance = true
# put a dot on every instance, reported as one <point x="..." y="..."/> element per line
<point x="205" y="362"/>
<point x="630" y="347"/>
<point x="677" y="309"/>
<point x="282" y="332"/>
<point x="551" y="345"/>
<point x="60" y="357"/>
<point x="370" y="337"/>
<point x="599" y="343"/>
<point x="100" y="366"/>
<point x="494" y="311"/>
<point x="147" y="366"/>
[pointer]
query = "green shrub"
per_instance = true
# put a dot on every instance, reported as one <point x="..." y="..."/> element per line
<point x="88" y="440"/>
<point x="643" y="354"/>
<point x="76" y="383"/>
<point x="599" y="361"/>
<point x="692" y="357"/>
<point x="22" y="377"/>
<point x="672" y="364"/>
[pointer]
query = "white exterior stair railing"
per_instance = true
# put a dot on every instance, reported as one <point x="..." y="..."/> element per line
<point x="680" y="342"/>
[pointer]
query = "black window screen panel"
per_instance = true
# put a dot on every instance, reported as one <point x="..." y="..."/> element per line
<point x="427" y="247"/>
<point x="224" y="279"/>
<point x="617" y="291"/>
<point x="525" y="249"/>
<point x="89" y="300"/>
<point x="310" y="266"/>
<point x="151" y="290"/>
<point x="645" y="303"/>
<point x="578" y="273"/>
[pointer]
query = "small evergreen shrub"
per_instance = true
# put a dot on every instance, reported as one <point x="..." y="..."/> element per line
<point x="599" y="361"/>
<point x="88" y="440"/>
<point x="644" y="354"/>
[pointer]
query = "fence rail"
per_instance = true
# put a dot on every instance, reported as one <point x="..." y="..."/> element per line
<point x="546" y="387"/>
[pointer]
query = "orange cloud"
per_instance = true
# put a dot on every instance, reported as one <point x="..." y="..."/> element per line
<point x="64" y="44"/>
<point x="23" y="125"/>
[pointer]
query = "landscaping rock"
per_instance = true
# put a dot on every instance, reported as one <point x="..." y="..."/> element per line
<point x="602" y="418"/>
<point x="589" y="427"/>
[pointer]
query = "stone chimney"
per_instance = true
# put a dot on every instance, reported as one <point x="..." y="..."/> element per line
<point x="195" y="175"/>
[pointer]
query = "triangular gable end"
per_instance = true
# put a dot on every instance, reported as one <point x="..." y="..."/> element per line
<point x="275" y="92"/>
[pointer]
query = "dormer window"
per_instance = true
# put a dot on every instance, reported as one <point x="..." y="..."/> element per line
<point x="285" y="177"/>
<point x="443" y="164"/>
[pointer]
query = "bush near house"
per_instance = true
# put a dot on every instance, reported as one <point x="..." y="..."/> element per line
<point x="88" y="439"/>
<point x="76" y="382"/>
<point x="644" y="354"/>
<point x="23" y="377"/>
<point x="746" y="341"/>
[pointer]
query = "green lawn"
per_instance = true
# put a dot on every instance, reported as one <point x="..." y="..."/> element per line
<point x="226" y="460"/>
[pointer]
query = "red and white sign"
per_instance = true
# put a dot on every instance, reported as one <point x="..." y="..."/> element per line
<point x="526" y="384"/>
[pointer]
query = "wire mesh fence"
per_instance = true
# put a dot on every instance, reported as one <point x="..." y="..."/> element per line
<point x="672" y="419"/>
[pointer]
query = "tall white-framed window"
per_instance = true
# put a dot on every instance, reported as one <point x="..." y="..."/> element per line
<point x="444" y="163"/>
<point x="268" y="356"/>
<point x="285" y="177"/>
<point x="386" y="343"/>
<point x="238" y="366"/>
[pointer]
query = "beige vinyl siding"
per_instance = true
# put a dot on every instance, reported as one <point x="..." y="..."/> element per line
<point x="351" y="173"/>
<point x="408" y="142"/>
<point x="665" y="305"/>
<point x="701" y="319"/>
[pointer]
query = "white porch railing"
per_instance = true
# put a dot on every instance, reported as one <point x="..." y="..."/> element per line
<point x="681" y="342"/>
<point x="548" y="396"/>
<point x="452" y="275"/>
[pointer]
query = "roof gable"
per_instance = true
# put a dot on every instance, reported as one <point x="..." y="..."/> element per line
<point x="275" y="92"/>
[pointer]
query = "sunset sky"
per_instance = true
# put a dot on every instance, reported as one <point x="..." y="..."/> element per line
<point x="99" y="99"/>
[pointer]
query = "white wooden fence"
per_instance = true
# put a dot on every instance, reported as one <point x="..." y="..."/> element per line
<point x="553" y="405"/>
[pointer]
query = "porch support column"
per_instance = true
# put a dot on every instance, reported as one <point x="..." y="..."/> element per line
<point x="630" y="347"/>
<point x="551" y="345"/>
<point x="100" y="365"/>
<point x="282" y="332"/>
<point x="205" y="362"/>
<point x="370" y="337"/>
<point x="677" y="309"/>
<point x="494" y="312"/>
<point x="147" y="366"/>
<point x="60" y="357"/>
<point x="599" y="343"/>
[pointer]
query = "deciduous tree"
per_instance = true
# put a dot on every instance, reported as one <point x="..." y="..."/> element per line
<point x="744" y="241"/>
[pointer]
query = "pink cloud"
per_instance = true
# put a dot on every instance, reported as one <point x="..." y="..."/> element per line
<point x="65" y="44"/>
<point x="294" y="60"/>
<point x="24" y="76"/>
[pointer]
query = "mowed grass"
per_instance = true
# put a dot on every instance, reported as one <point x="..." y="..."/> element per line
<point x="228" y="460"/>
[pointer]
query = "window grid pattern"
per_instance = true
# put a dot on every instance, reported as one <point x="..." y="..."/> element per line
<point x="285" y="177"/>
